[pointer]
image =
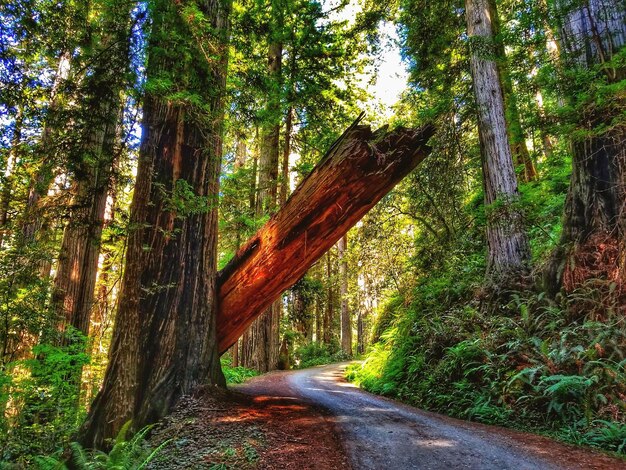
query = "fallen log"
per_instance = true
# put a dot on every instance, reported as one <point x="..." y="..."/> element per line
<point x="358" y="170"/>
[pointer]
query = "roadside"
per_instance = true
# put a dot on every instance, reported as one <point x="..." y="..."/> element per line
<point x="234" y="431"/>
<point x="314" y="419"/>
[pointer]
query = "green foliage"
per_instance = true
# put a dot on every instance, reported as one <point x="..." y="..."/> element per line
<point x="524" y="366"/>
<point x="42" y="394"/>
<point x="235" y="375"/>
<point x="316" y="354"/>
<point x="127" y="454"/>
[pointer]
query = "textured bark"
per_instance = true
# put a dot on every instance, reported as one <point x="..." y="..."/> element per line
<point x="329" y="313"/>
<point x="95" y="157"/>
<point x="32" y="219"/>
<point x="284" y="187"/>
<point x="7" y="181"/>
<point x="346" y="318"/>
<point x="164" y="342"/>
<point x="515" y="132"/>
<point x="263" y="341"/>
<point x="592" y="243"/>
<point x="360" y="328"/>
<point x="359" y="169"/>
<point x="507" y="244"/>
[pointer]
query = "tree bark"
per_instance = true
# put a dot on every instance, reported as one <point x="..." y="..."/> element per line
<point x="508" y="250"/>
<point x="32" y="218"/>
<point x="515" y="132"/>
<point x="263" y="340"/>
<point x="7" y="182"/>
<point x="360" y="328"/>
<point x="284" y="187"/>
<point x="94" y="158"/>
<point x="594" y="227"/>
<point x="358" y="170"/>
<point x="329" y="313"/>
<point x="164" y="342"/>
<point x="346" y="320"/>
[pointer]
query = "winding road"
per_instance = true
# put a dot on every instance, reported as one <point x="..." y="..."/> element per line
<point x="379" y="433"/>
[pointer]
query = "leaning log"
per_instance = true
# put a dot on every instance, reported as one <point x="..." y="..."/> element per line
<point x="358" y="170"/>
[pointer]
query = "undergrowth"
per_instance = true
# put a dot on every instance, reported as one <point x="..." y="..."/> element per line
<point x="551" y="366"/>
<point x="236" y="375"/>
<point x="535" y="364"/>
<point x="316" y="354"/>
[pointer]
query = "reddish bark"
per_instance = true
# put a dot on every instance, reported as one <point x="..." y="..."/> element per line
<point x="358" y="170"/>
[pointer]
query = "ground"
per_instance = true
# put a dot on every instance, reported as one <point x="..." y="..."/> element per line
<point x="313" y="419"/>
<point x="236" y="431"/>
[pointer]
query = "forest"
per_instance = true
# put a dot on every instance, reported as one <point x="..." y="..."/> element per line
<point x="193" y="192"/>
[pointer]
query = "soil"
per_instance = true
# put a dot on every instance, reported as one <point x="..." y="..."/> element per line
<point x="313" y="419"/>
<point x="220" y="430"/>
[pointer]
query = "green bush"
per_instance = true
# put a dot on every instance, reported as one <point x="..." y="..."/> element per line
<point x="132" y="453"/>
<point x="315" y="354"/>
<point x="42" y="394"/>
<point x="236" y="375"/>
<point x="525" y="366"/>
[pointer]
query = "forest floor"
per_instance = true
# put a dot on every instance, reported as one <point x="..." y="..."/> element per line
<point x="220" y="431"/>
<point x="314" y="419"/>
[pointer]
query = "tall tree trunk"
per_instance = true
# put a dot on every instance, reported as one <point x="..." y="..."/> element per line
<point x="346" y="320"/>
<point x="318" y="322"/>
<point x="7" y="182"/>
<point x="284" y="187"/>
<point x="508" y="251"/>
<point x="360" y="329"/>
<point x="594" y="227"/>
<point x="96" y="155"/>
<point x="164" y="342"/>
<point x="263" y="340"/>
<point x="32" y="219"/>
<point x="515" y="132"/>
<point x="330" y="302"/>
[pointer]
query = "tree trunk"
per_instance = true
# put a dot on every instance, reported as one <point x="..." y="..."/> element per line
<point x="515" y="132"/>
<point x="7" y="182"/>
<point x="284" y="187"/>
<point x="330" y="302"/>
<point x="32" y="218"/>
<point x="360" y="328"/>
<point x="592" y="242"/>
<point x="358" y="170"/>
<point x="318" y="322"/>
<point x="508" y="251"/>
<point x="164" y="342"/>
<point x="95" y="158"/>
<point x="346" y="320"/>
<point x="263" y="340"/>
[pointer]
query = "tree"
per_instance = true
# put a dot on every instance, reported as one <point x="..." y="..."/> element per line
<point x="346" y="317"/>
<point x="358" y="170"/>
<point x="169" y="286"/>
<point x="592" y="38"/>
<point x="508" y="251"/>
<point x="92" y="166"/>
<point x="262" y="341"/>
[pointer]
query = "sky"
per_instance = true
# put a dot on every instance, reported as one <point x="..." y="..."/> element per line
<point x="391" y="75"/>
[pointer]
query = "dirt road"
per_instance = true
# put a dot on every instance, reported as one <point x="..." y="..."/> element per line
<point x="382" y="434"/>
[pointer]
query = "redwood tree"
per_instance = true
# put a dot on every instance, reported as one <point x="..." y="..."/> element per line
<point x="93" y="160"/>
<point x="507" y="244"/>
<point x="164" y="342"/>
<point x="592" y="246"/>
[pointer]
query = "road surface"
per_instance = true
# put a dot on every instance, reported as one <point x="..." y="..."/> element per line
<point x="379" y="434"/>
